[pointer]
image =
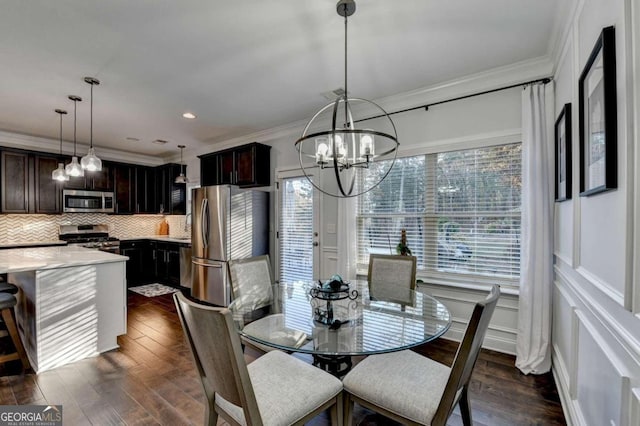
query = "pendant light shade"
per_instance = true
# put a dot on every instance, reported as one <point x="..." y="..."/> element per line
<point x="59" y="173"/>
<point x="338" y="158"/>
<point x="74" y="169"/>
<point x="181" y="177"/>
<point x="90" y="161"/>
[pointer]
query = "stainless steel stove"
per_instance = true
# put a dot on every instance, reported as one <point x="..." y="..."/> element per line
<point x="90" y="236"/>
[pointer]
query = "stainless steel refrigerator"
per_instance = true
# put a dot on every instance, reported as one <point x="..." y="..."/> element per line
<point x="228" y="223"/>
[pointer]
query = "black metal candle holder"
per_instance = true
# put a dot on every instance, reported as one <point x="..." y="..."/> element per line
<point x="330" y="294"/>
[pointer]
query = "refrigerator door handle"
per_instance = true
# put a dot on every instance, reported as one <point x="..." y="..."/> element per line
<point x="204" y="221"/>
<point x="208" y="265"/>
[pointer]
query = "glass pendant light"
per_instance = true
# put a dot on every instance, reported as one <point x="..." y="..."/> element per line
<point x="90" y="161"/>
<point x="181" y="178"/>
<point x="59" y="174"/>
<point x="74" y="169"/>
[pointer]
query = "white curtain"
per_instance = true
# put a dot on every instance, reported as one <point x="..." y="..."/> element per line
<point x="533" y="348"/>
<point x="346" y="265"/>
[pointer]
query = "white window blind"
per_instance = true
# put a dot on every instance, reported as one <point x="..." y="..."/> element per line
<point x="460" y="210"/>
<point x="296" y="230"/>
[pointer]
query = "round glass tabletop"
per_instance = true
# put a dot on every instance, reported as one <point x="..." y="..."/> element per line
<point x="353" y="321"/>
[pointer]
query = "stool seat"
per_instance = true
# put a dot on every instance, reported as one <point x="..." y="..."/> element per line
<point x="7" y="300"/>
<point x="8" y="288"/>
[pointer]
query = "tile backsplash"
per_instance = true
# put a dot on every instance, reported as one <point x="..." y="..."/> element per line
<point x="19" y="228"/>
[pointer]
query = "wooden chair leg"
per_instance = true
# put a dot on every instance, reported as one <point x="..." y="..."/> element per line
<point x="210" y="415"/>
<point x="465" y="407"/>
<point x="347" y="409"/>
<point x="7" y="317"/>
<point x="336" y="411"/>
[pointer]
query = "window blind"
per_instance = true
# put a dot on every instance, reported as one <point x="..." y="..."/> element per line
<point x="296" y="230"/>
<point x="460" y="210"/>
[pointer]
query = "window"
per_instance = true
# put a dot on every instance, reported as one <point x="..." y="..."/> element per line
<point x="460" y="210"/>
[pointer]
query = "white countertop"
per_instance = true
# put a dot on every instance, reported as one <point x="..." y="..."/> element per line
<point x="33" y="244"/>
<point x="31" y="259"/>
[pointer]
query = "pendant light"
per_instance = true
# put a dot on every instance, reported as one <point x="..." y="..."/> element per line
<point x="91" y="162"/>
<point x="332" y="149"/>
<point x="59" y="174"/>
<point x="74" y="169"/>
<point x="181" y="178"/>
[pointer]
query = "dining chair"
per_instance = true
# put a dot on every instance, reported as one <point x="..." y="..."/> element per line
<point x="275" y="389"/>
<point x="413" y="389"/>
<point x="389" y="275"/>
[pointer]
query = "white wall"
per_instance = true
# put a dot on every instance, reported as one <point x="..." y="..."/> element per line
<point x="596" y="327"/>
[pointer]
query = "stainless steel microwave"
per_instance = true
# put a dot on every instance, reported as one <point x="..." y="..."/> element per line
<point x="87" y="201"/>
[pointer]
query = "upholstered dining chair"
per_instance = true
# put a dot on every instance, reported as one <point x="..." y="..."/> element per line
<point x="275" y="389"/>
<point x="413" y="389"/>
<point x="389" y="275"/>
<point x="251" y="288"/>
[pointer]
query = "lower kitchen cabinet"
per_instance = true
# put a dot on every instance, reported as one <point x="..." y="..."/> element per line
<point x="138" y="264"/>
<point x="152" y="261"/>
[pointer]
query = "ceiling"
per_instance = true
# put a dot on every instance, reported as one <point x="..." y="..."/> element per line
<point x="240" y="66"/>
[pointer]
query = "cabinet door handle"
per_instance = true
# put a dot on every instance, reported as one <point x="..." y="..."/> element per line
<point x="235" y="180"/>
<point x="153" y="254"/>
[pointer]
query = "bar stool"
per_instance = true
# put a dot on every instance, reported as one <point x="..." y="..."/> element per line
<point x="7" y="302"/>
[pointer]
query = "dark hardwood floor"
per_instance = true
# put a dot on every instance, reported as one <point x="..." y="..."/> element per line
<point x="151" y="380"/>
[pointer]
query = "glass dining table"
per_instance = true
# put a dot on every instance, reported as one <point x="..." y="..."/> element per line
<point x="335" y="324"/>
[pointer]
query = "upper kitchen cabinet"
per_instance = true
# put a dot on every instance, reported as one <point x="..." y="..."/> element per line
<point x="246" y="166"/>
<point x="170" y="196"/>
<point x="123" y="187"/>
<point x="93" y="181"/>
<point x="145" y="190"/>
<point x="26" y="185"/>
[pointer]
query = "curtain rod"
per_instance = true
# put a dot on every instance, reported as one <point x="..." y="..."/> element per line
<point x="426" y="106"/>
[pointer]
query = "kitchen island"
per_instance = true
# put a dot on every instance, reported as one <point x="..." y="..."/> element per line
<point x="72" y="302"/>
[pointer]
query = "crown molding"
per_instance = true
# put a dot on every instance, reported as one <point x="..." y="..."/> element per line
<point x="492" y="79"/>
<point x="37" y="143"/>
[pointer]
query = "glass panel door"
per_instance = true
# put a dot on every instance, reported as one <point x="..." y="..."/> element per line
<point x="298" y="243"/>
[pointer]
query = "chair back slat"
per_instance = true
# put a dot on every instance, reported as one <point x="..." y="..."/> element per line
<point x="217" y="353"/>
<point x="467" y="355"/>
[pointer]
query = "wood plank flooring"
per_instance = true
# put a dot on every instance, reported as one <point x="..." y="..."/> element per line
<point x="151" y="380"/>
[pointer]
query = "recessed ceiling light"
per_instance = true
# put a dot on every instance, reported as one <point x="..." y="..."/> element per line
<point x="189" y="115"/>
<point x="129" y="138"/>
<point x="160" y="141"/>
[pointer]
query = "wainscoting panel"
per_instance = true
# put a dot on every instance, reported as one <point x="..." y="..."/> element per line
<point x="503" y="328"/>
<point x="602" y="382"/>
<point x="329" y="262"/>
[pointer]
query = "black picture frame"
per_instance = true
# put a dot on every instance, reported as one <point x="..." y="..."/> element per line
<point x="563" y="154"/>
<point x="598" y="118"/>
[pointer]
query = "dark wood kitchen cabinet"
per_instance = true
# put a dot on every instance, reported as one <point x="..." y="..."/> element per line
<point x="165" y="262"/>
<point x="170" y="196"/>
<point x="26" y="185"/>
<point x="92" y="181"/>
<point x="145" y="190"/>
<point x="246" y="166"/>
<point x="140" y="266"/>
<point x="123" y="188"/>
<point x="47" y="192"/>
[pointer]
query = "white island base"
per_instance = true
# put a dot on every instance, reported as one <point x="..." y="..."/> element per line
<point x="69" y="313"/>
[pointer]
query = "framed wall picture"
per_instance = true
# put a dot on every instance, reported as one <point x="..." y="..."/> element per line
<point x="563" y="154"/>
<point x="598" y="118"/>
